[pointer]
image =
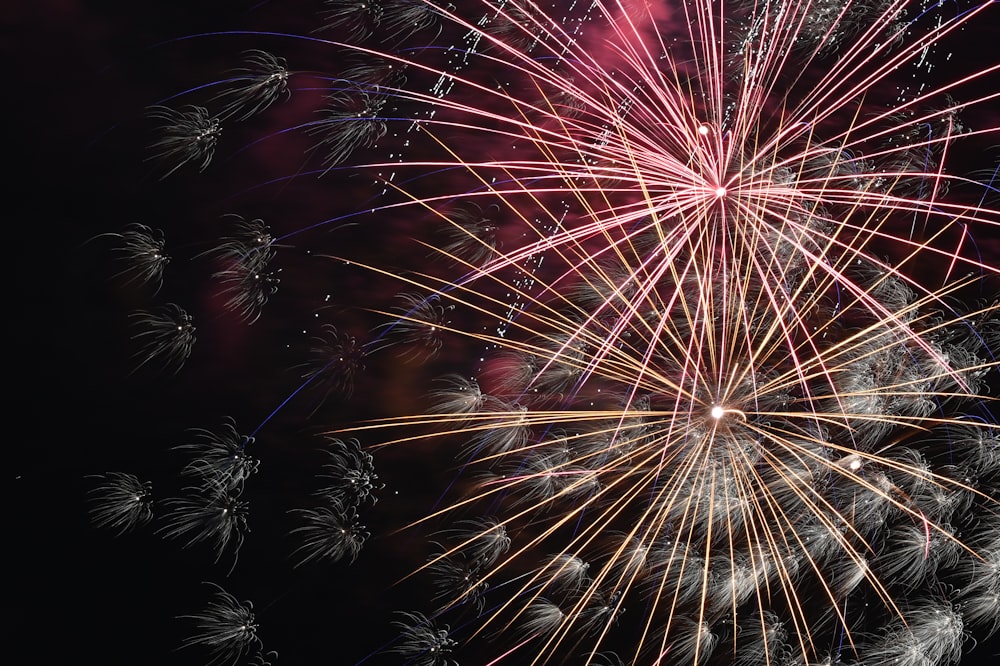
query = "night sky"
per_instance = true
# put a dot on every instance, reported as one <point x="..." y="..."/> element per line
<point x="79" y="74"/>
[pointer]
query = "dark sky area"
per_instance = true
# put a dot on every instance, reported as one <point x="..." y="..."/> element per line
<point x="78" y="75"/>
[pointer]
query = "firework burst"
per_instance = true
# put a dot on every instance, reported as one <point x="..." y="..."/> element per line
<point x="676" y="308"/>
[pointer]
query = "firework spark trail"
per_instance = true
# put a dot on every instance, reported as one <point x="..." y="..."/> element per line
<point x="683" y="377"/>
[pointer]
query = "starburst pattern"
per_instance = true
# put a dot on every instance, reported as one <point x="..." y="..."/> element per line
<point x="692" y="303"/>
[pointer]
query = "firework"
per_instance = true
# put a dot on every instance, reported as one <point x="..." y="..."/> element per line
<point x="668" y="320"/>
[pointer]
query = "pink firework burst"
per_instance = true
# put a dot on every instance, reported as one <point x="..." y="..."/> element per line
<point x="673" y="325"/>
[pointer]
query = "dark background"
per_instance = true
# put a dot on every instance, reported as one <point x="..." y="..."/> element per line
<point x="82" y="72"/>
<point x="77" y="76"/>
